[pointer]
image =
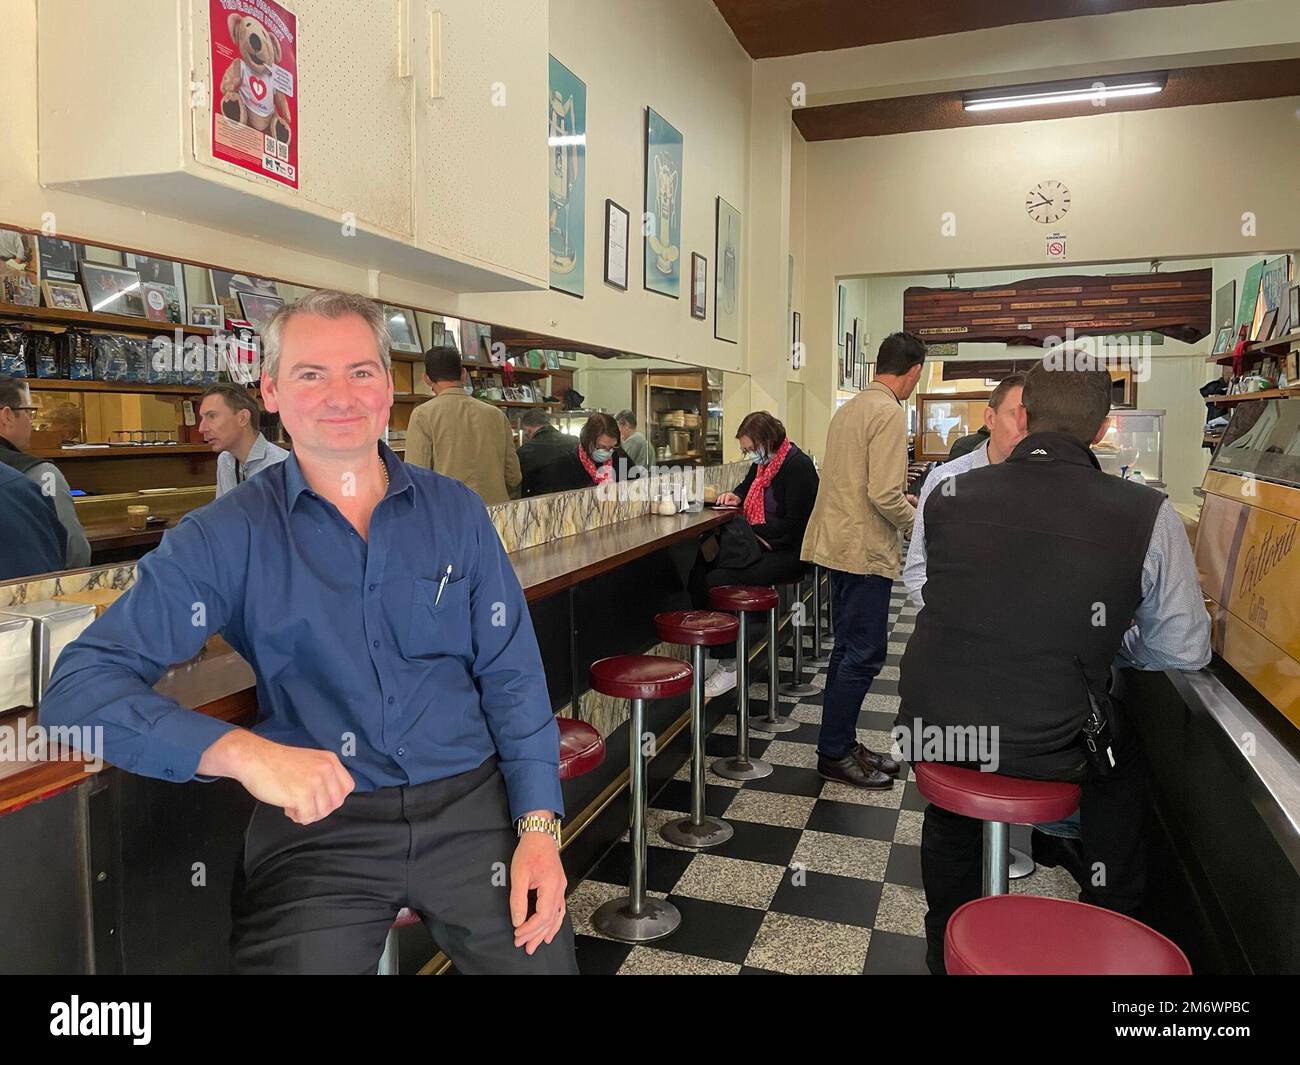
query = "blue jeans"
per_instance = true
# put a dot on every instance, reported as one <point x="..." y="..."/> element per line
<point x="861" y="607"/>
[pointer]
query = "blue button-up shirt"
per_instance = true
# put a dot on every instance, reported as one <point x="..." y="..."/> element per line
<point x="355" y="648"/>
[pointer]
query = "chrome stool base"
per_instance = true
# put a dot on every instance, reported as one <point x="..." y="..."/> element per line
<point x="736" y="768"/>
<point x="1021" y="865"/>
<point x="795" y="689"/>
<point x="708" y="833"/>
<point x="658" y="918"/>
<point x="763" y="723"/>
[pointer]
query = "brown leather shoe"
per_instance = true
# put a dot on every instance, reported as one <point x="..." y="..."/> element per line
<point x="871" y="760"/>
<point x="850" y="770"/>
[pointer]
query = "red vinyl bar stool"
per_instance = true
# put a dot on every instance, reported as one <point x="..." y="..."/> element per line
<point x="742" y="600"/>
<point x="634" y="918"/>
<point x="999" y="802"/>
<point x="582" y="749"/>
<point x="697" y="629"/>
<point x="796" y="685"/>
<point x="1027" y="935"/>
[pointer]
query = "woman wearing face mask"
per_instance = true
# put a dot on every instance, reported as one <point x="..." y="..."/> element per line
<point x="776" y="499"/>
<point x="595" y="459"/>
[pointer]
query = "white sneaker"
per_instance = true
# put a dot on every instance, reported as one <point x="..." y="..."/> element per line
<point x="719" y="683"/>
<point x="712" y="665"/>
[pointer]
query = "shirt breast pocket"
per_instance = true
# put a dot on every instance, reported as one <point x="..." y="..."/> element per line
<point x="439" y="620"/>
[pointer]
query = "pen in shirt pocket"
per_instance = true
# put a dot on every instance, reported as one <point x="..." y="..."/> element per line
<point x="441" y="585"/>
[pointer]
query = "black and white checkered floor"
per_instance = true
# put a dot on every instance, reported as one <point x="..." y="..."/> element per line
<point x="819" y="878"/>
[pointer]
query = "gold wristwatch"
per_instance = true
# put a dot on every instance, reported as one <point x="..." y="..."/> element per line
<point x="549" y="825"/>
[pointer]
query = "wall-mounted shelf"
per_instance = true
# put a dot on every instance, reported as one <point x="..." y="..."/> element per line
<point x="60" y="384"/>
<point x="1261" y="348"/>
<point x="133" y="452"/>
<point x="99" y="320"/>
<point x="1241" y="397"/>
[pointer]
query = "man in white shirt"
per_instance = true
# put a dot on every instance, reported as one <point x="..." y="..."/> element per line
<point x="1001" y="418"/>
<point x="228" y="420"/>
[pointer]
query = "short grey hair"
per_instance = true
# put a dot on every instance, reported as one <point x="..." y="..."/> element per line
<point x="14" y="392"/>
<point x="327" y="303"/>
<point x="626" y="417"/>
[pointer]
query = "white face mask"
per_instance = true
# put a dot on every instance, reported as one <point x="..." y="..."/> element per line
<point x="601" y="454"/>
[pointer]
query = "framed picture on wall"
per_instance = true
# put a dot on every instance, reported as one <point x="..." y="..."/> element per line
<point x="796" y="341"/>
<point x="258" y="309"/>
<point x="226" y="287"/>
<point x="162" y="302"/>
<point x="112" y="289"/>
<point x="160" y="272"/>
<point x="207" y="314"/>
<point x="1266" y="325"/>
<point x="403" y="330"/>
<point x="65" y="295"/>
<point x="616" y="230"/>
<point x="58" y="258"/>
<point x="567" y="139"/>
<point x="841" y="323"/>
<point x="726" y="273"/>
<point x="1222" y="341"/>
<point x="662" y="242"/>
<point x="699" y="279"/>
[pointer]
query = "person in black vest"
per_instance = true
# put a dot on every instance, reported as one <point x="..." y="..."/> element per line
<point x="29" y="528"/>
<point x="776" y="498"/>
<point x="1041" y="571"/>
<point x="546" y="457"/>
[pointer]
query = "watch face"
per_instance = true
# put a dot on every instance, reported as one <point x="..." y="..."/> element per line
<point x="1047" y="202"/>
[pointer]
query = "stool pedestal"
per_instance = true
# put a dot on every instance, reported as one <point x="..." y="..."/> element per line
<point x="635" y="918"/>
<point x="820" y="658"/>
<point x="740" y="766"/>
<point x="796" y="685"/>
<point x="697" y="831"/>
<point x="772" y="722"/>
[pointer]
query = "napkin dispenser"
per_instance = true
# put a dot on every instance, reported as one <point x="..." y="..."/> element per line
<point x="54" y="625"/>
<point x="16" y="664"/>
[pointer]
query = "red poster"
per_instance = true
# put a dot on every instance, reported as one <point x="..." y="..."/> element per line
<point x="254" y="78"/>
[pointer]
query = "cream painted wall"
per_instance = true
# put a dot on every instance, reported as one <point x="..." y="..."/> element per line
<point x="798" y="236"/>
<point x="1142" y="187"/>
<point x="679" y="57"/>
<point x="23" y="202"/>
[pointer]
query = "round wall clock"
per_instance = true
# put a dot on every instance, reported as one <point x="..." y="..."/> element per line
<point x="1047" y="202"/>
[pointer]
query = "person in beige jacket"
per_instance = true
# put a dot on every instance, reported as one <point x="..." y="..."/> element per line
<point x="856" y="530"/>
<point x="462" y="437"/>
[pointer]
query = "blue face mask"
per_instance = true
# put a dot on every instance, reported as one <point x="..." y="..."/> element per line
<point x="601" y="454"/>
<point x="758" y="456"/>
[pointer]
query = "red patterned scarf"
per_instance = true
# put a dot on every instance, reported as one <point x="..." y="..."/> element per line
<point x="605" y="472"/>
<point x="754" y="509"/>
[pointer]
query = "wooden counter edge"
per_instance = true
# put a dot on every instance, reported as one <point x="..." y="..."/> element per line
<point x="51" y="777"/>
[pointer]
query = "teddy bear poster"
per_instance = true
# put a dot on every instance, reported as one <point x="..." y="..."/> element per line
<point x="254" y="82"/>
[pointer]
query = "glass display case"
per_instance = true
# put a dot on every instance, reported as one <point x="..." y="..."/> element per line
<point x="1263" y="439"/>
<point x="1134" y="442"/>
<point x="944" y="418"/>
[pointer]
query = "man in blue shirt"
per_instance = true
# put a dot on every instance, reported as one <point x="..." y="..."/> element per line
<point x="405" y="722"/>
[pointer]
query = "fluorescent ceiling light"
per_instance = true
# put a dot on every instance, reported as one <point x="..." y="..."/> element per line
<point x="1079" y="90"/>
